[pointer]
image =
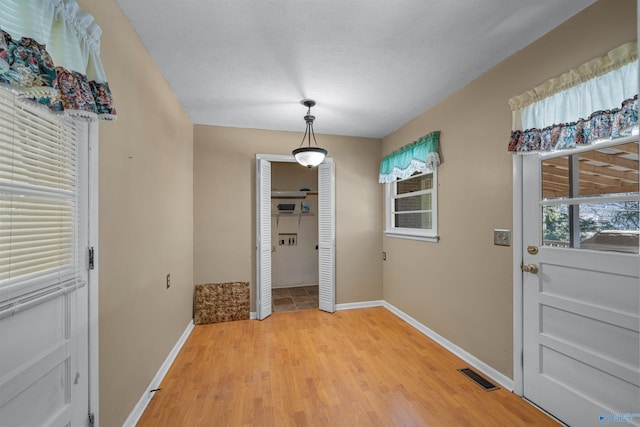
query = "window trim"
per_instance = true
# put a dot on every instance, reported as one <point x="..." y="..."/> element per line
<point x="430" y="235"/>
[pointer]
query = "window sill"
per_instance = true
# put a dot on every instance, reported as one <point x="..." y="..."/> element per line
<point x="432" y="239"/>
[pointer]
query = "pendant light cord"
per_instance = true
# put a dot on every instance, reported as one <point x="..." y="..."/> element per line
<point x="309" y="129"/>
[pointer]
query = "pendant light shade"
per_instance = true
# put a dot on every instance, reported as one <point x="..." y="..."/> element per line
<point x="309" y="156"/>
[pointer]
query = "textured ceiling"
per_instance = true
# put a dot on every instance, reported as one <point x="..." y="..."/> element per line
<point x="371" y="65"/>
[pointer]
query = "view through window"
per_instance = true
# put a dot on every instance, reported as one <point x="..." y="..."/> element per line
<point x="590" y="199"/>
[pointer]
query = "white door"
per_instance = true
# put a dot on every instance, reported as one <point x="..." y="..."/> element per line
<point x="44" y="373"/>
<point x="581" y="307"/>
<point x="326" y="237"/>
<point x="263" y="237"/>
<point x="326" y="233"/>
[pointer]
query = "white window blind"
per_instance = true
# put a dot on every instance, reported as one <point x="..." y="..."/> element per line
<point x="39" y="191"/>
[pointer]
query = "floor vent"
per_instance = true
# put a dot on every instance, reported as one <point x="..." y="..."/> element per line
<point x="482" y="382"/>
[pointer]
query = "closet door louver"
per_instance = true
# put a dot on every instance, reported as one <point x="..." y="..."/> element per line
<point x="263" y="237"/>
<point x="38" y="198"/>
<point x="326" y="237"/>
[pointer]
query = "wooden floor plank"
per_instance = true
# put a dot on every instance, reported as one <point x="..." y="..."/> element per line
<point x="363" y="367"/>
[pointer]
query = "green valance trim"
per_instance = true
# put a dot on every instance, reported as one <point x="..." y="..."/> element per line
<point x="419" y="156"/>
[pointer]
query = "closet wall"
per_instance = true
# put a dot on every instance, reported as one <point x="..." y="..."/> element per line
<point x="294" y="236"/>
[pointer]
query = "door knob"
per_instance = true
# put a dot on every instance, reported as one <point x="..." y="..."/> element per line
<point x="529" y="268"/>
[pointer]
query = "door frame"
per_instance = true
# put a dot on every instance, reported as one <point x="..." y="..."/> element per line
<point x="516" y="241"/>
<point x="285" y="158"/>
<point x="92" y="280"/>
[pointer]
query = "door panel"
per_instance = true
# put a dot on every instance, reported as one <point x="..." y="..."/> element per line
<point x="326" y="237"/>
<point x="581" y="321"/>
<point x="43" y="369"/>
<point x="263" y="237"/>
<point x="44" y="327"/>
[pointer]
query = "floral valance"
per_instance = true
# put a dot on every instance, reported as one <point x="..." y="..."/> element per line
<point x="419" y="156"/>
<point x="598" y="100"/>
<point x="599" y="125"/>
<point x="49" y="52"/>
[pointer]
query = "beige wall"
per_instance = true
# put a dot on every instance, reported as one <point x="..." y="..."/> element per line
<point x="224" y="207"/>
<point x="146" y="219"/>
<point x="461" y="287"/>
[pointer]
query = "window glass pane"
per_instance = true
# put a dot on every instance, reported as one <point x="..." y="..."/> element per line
<point x="555" y="226"/>
<point x="609" y="170"/>
<point x="555" y="178"/>
<point x="39" y="213"/>
<point x="421" y="182"/>
<point x="603" y="226"/>
<point x="609" y="226"/>
<point x="414" y="220"/>
<point x="414" y="203"/>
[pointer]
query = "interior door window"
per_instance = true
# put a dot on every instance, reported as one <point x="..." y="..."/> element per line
<point x="590" y="199"/>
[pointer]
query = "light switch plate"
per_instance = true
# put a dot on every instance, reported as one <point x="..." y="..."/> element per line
<point x="502" y="237"/>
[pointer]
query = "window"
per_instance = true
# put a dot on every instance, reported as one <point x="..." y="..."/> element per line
<point x="412" y="207"/>
<point x="590" y="199"/>
<point x="40" y="212"/>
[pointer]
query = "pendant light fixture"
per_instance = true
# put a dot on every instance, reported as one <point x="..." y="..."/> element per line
<point x="309" y="156"/>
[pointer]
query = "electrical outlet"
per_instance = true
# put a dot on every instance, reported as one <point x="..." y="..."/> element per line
<point x="502" y="237"/>
<point x="287" y="239"/>
<point x="384" y="256"/>
<point x="168" y="281"/>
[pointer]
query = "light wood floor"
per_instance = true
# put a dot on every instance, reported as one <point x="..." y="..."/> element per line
<point x="363" y="367"/>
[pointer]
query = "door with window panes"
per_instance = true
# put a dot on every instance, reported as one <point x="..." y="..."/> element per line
<point x="581" y="282"/>
<point x="44" y="362"/>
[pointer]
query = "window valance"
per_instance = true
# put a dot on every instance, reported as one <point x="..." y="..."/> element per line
<point x="419" y="156"/>
<point x="616" y="58"/>
<point x="50" y="52"/>
<point x="597" y="100"/>
<point x="605" y="124"/>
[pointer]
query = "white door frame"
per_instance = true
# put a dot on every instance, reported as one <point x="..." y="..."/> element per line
<point x="516" y="242"/>
<point x="284" y="158"/>
<point x="92" y="282"/>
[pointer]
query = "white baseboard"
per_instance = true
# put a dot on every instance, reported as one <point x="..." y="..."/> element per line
<point x="253" y="315"/>
<point x="138" y="410"/>
<point x="500" y="378"/>
<point x="363" y="304"/>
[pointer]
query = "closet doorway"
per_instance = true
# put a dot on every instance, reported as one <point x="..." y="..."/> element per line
<point x="294" y="237"/>
<point x="277" y="241"/>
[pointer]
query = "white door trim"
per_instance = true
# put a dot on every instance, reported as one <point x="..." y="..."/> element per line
<point x="92" y="282"/>
<point x="516" y="242"/>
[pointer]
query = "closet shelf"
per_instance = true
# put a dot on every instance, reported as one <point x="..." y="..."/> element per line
<point x="292" y="194"/>
<point x="291" y="214"/>
<point x="288" y="194"/>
